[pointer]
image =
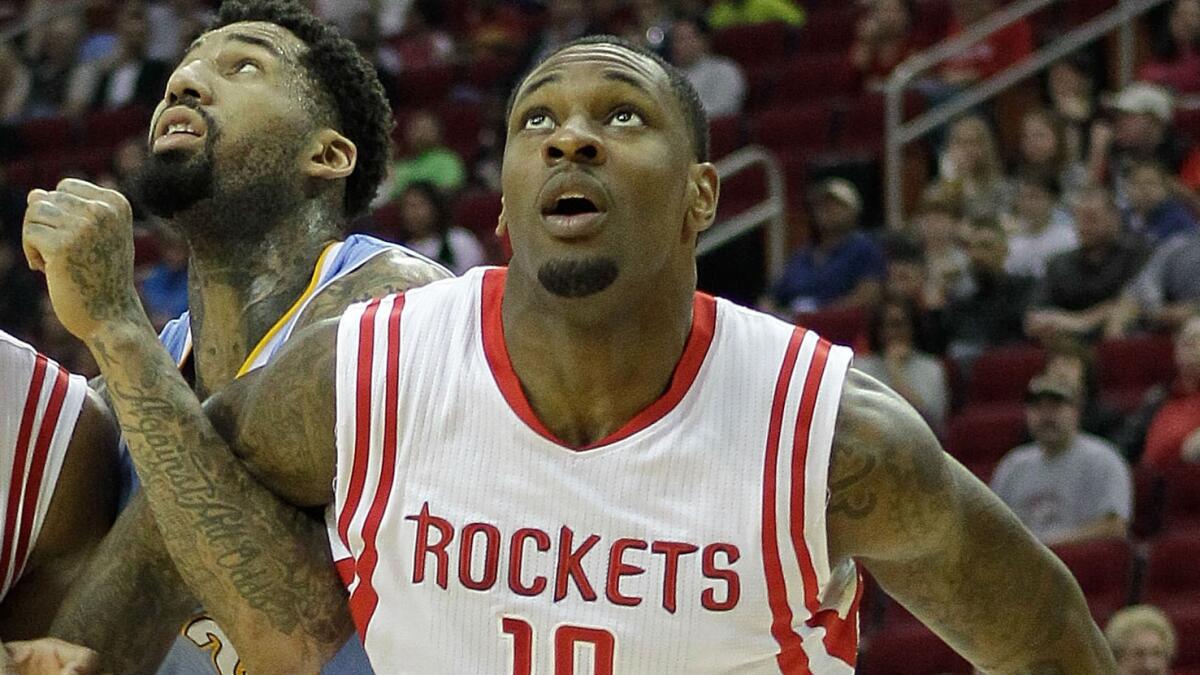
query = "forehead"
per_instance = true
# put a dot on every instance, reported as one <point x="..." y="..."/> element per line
<point x="598" y="60"/>
<point x="272" y="37"/>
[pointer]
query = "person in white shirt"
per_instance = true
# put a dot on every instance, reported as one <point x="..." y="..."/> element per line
<point x="718" y="80"/>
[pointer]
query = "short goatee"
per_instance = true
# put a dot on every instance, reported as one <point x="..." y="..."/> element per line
<point x="171" y="182"/>
<point x="577" y="278"/>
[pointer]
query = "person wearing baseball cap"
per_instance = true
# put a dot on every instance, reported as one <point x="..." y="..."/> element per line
<point x="1142" y="129"/>
<point x="1066" y="485"/>
<point x="843" y="268"/>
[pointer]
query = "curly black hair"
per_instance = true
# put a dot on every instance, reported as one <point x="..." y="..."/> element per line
<point x="346" y="83"/>
<point x="685" y="93"/>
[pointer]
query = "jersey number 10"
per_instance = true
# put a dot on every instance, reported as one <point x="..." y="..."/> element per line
<point x="566" y="637"/>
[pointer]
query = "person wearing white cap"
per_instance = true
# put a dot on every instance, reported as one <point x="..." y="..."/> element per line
<point x="1142" y="130"/>
<point x="844" y="268"/>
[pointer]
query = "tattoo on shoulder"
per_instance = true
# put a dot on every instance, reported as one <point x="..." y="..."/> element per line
<point x="385" y="274"/>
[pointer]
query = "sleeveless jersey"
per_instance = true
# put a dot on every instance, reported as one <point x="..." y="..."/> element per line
<point x="39" y="405"/>
<point x="691" y="540"/>
<point x="203" y="648"/>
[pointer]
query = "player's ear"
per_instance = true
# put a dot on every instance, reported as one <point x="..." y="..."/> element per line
<point x="501" y="222"/>
<point x="330" y="155"/>
<point x="704" y="188"/>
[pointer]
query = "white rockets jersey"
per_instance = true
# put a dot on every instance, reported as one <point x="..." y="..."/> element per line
<point x="691" y="540"/>
<point x="39" y="405"/>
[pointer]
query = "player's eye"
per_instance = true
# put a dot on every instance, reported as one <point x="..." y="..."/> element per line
<point x="246" y="66"/>
<point x="538" y="121"/>
<point x="626" y="118"/>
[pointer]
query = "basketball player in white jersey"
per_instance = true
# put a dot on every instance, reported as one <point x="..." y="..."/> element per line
<point x="58" y="485"/>
<point x="579" y="464"/>
<point x="272" y="135"/>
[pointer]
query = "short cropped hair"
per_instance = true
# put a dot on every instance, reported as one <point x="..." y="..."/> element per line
<point x="346" y="82"/>
<point x="1126" y="622"/>
<point x="685" y="93"/>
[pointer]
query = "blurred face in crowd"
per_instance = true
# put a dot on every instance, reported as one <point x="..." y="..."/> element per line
<point x="1097" y="223"/>
<point x="1187" y="350"/>
<point x="422" y="132"/>
<point x="1034" y="203"/>
<point x="891" y="18"/>
<point x="970" y="145"/>
<point x="1147" y="188"/>
<point x="418" y="213"/>
<point x="1185" y="21"/>
<point x="1139" y="131"/>
<point x="896" y="327"/>
<point x="687" y="44"/>
<point x="833" y="216"/>
<point x="937" y="228"/>
<point x="1039" y="144"/>
<point x="987" y="249"/>
<point x="133" y="30"/>
<point x="906" y="278"/>
<point x="1145" y="652"/>
<point x="1053" y="421"/>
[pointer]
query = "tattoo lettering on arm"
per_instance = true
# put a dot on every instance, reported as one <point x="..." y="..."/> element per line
<point x="943" y="545"/>
<point x="129" y="599"/>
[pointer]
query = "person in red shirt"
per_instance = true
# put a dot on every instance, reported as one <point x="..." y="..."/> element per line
<point x="1174" y="435"/>
<point x="988" y="57"/>
<point x="884" y="38"/>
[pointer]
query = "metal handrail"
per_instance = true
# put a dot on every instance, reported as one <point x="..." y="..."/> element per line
<point x="771" y="212"/>
<point x="900" y="133"/>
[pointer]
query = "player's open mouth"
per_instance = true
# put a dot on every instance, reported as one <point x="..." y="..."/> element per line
<point x="178" y="127"/>
<point x="572" y="205"/>
<point x="573" y="215"/>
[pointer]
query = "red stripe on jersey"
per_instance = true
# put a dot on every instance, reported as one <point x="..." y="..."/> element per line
<point x="362" y="420"/>
<point x="364" y="600"/>
<point x="704" y="318"/>
<point x="21" y="452"/>
<point x="345" y="570"/>
<point x="804" y="418"/>
<point x="841" y="635"/>
<point x="37" y="466"/>
<point x="791" y="656"/>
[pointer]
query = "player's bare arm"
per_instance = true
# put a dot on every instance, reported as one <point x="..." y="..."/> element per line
<point x="81" y="512"/>
<point x="944" y="546"/>
<point x="221" y="527"/>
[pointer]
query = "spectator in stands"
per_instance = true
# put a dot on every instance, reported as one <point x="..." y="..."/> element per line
<point x="21" y="292"/>
<point x="971" y="168"/>
<point x="494" y="29"/>
<point x="908" y="281"/>
<point x="364" y="32"/>
<point x="1173" y="437"/>
<point x="1039" y="227"/>
<point x="428" y="158"/>
<point x="1165" y="294"/>
<point x="883" y="38"/>
<point x="717" y="79"/>
<point x="990" y="314"/>
<point x="895" y="360"/>
<point x="1143" y="131"/>
<point x="427" y="229"/>
<point x="1071" y="92"/>
<point x="164" y="290"/>
<point x="127" y="75"/>
<point x="1002" y="49"/>
<point x="1133" y="436"/>
<point x="173" y="25"/>
<point x="1176" y="63"/>
<point x="15" y="81"/>
<point x="424" y="42"/>
<point x="1075" y="363"/>
<point x="1046" y="149"/>
<point x="726" y="13"/>
<point x="1065" y="486"/>
<point x="565" y="21"/>
<point x="1154" y="212"/>
<point x="937" y="225"/>
<point x="1142" y="639"/>
<point x="1078" y="294"/>
<point x="845" y="268"/>
<point x="53" y="57"/>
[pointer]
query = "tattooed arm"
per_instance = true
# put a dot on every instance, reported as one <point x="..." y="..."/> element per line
<point x="944" y="546"/>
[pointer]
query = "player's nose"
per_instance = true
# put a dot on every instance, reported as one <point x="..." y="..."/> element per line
<point x="188" y="81"/>
<point x="574" y="141"/>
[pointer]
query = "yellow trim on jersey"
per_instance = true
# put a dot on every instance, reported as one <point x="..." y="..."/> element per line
<point x="287" y="316"/>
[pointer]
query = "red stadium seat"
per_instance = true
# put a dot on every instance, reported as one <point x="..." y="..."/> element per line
<point x="1104" y="570"/>
<point x="109" y="127"/>
<point x="1182" y="491"/>
<point x="1127" y="367"/>
<point x="48" y="133"/>
<point x="425" y="86"/>
<point x="794" y="128"/>
<point x="1173" y="571"/>
<point x="1148" y="493"/>
<point x="1002" y="374"/>
<point x="979" y="436"/>
<point x="1187" y="625"/>
<point x="910" y="650"/>
<point x="753" y="43"/>
<point x="742" y="191"/>
<point x="828" y="29"/>
<point x="724" y="135"/>
<point x="815" y="78"/>
<point x="479" y="211"/>
<point x="842" y="326"/>
<point x="864" y="126"/>
<point x="24" y="174"/>
<point x="461" y="124"/>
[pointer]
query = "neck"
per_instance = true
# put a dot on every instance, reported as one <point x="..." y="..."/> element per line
<point x="1056" y="449"/>
<point x="588" y="369"/>
<point x="238" y="287"/>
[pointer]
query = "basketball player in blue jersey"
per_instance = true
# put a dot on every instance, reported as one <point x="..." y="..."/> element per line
<point x="272" y="135"/>
<point x="597" y="340"/>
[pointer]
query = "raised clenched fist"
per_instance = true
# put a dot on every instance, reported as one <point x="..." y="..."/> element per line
<point x="47" y="657"/>
<point x="81" y="236"/>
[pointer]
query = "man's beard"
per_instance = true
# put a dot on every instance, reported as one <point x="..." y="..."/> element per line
<point x="171" y="182"/>
<point x="577" y="278"/>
